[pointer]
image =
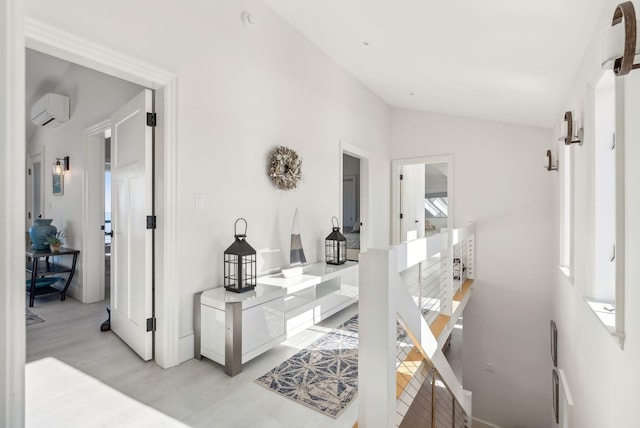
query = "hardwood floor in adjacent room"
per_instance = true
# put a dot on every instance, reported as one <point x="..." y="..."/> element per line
<point x="197" y="393"/>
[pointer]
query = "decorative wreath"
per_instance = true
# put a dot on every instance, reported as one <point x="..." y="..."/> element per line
<point x="285" y="168"/>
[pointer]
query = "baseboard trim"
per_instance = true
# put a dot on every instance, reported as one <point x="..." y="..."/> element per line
<point x="186" y="347"/>
<point x="479" y="423"/>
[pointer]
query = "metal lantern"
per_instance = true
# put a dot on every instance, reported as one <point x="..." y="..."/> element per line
<point x="335" y="246"/>
<point x="240" y="263"/>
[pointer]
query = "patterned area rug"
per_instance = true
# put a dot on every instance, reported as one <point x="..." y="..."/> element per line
<point x="33" y="318"/>
<point x="323" y="376"/>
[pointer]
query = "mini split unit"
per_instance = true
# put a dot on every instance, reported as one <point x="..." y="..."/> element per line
<point x="51" y="111"/>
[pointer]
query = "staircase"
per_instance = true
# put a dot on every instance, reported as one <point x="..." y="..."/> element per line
<point x="412" y="295"/>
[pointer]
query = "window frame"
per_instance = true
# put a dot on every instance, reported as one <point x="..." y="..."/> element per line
<point x="617" y="330"/>
<point x="567" y="215"/>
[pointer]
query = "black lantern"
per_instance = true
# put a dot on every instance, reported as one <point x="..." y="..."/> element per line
<point x="335" y="246"/>
<point x="240" y="263"/>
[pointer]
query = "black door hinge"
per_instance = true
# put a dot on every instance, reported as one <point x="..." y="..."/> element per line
<point x="151" y="222"/>
<point x="151" y="324"/>
<point x="401" y="216"/>
<point x="151" y="119"/>
<point x="401" y="177"/>
<point x="29" y="170"/>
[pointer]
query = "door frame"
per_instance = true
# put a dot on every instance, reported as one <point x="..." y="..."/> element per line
<point x="31" y="184"/>
<point x="56" y="42"/>
<point x="12" y="206"/>
<point x="93" y="214"/>
<point x="365" y="191"/>
<point x="396" y="166"/>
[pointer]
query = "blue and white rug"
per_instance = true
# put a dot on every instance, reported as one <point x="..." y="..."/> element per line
<point x="323" y="376"/>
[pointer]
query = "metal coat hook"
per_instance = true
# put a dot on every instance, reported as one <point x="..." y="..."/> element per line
<point x="550" y="166"/>
<point x="570" y="138"/>
<point x="623" y="65"/>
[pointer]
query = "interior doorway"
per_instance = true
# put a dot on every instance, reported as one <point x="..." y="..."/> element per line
<point x="83" y="212"/>
<point x="34" y="189"/>
<point x="91" y="54"/>
<point x="108" y="230"/>
<point x="422" y="197"/>
<point x="351" y="204"/>
<point x="354" y="199"/>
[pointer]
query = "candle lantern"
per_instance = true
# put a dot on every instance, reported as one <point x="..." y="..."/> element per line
<point x="335" y="249"/>
<point x="240" y="263"/>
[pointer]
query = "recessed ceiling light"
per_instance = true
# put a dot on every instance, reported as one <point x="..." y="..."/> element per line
<point x="365" y="43"/>
<point x="411" y="93"/>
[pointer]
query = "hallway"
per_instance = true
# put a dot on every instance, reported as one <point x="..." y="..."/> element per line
<point x="197" y="393"/>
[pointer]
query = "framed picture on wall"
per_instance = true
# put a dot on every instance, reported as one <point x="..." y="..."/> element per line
<point x="554" y="343"/>
<point x="58" y="184"/>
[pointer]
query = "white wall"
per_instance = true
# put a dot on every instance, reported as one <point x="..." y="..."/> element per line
<point x="604" y="379"/>
<point x="241" y="92"/>
<point x="93" y="97"/>
<point x="500" y="184"/>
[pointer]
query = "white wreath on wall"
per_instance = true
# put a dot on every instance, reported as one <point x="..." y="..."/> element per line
<point x="285" y="168"/>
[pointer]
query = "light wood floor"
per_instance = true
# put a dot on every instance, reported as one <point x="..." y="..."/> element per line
<point x="197" y="393"/>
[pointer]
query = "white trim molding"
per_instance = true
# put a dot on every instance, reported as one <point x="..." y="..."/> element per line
<point x="92" y="184"/>
<point x="12" y="209"/>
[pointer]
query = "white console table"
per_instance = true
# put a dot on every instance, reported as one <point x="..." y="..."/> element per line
<point x="232" y="328"/>
<point x="321" y="291"/>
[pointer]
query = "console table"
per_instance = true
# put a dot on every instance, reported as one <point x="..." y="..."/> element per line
<point x="47" y="268"/>
<point x="232" y="328"/>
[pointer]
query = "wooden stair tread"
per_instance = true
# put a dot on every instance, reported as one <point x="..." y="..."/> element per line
<point x="407" y="369"/>
<point x="439" y="324"/>
<point x="466" y="286"/>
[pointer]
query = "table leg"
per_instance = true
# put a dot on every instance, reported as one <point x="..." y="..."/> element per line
<point x="233" y="338"/>
<point x="32" y="288"/>
<point x="63" y="295"/>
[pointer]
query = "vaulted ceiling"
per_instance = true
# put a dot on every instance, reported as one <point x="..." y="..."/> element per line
<point x="505" y="60"/>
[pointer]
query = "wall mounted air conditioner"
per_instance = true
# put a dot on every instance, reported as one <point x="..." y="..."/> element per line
<point x="51" y="111"/>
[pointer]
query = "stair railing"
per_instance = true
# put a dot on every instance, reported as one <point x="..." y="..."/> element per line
<point x="386" y="276"/>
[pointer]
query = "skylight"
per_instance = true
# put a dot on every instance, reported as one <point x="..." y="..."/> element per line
<point x="436" y="207"/>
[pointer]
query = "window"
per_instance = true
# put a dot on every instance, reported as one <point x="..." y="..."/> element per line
<point x="566" y="213"/>
<point x="436" y="207"/>
<point x="607" y="291"/>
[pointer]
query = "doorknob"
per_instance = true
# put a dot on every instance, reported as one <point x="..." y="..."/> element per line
<point x="109" y="234"/>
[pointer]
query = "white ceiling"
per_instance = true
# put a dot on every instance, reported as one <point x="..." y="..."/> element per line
<point x="505" y="60"/>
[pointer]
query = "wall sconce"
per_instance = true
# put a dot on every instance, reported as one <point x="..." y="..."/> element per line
<point x="551" y="166"/>
<point x="60" y="168"/>
<point x="621" y="42"/>
<point x="567" y="129"/>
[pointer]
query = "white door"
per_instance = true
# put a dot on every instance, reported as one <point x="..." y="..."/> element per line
<point x="131" y="203"/>
<point x="412" y="202"/>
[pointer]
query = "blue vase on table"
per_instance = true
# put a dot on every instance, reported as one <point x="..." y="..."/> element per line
<point x="41" y="229"/>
